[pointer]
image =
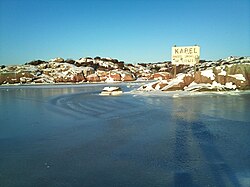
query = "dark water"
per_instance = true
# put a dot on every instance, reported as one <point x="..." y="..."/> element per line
<point x="71" y="136"/>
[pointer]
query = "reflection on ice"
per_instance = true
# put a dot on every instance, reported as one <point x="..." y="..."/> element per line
<point x="244" y="178"/>
<point x="206" y="103"/>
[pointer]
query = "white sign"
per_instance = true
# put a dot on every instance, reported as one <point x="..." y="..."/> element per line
<point x="189" y="55"/>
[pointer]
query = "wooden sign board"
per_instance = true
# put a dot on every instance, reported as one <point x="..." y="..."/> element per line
<point x="189" y="55"/>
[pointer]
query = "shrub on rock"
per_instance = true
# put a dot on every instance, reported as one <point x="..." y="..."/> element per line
<point x="70" y="61"/>
<point x="36" y="62"/>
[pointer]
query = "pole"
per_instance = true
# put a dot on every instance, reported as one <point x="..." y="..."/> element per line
<point x="174" y="71"/>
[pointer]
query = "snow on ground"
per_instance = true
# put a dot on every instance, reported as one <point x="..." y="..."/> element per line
<point x="208" y="73"/>
<point x="109" y="80"/>
<point x="175" y="81"/>
<point x="214" y="86"/>
<point x="230" y="85"/>
<point x="148" y="87"/>
<point x="224" y="73"/>
<point x="194" y="86"/>
<point x="238" y="77"/>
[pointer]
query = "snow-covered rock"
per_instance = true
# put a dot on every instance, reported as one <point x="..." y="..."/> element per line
<point x="115" y="76"/>
<point x="208" y="73"/>
<point x="219" y="78"/>
<point x="93" y="78"/>
<point x="162" y="76"/>
<point x="229" y="71"/>
<point x="126" y="76"/>
<point x="58" y="59"/>
<point x="238" y="77"/>
<point x="148" y="87"/>
<point x="175" y="84"/>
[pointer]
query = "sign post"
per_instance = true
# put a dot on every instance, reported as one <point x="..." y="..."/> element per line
<point x="174" y="71"/>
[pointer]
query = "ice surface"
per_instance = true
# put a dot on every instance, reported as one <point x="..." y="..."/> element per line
<point x="68" y="135"/>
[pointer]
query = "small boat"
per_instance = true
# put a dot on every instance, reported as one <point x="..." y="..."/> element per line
<point x="113" y="90"/>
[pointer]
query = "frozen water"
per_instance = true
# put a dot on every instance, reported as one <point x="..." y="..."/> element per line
<point x="70" y="136"/>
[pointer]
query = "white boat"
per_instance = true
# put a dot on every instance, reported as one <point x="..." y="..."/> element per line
<point x="112" y="90"/>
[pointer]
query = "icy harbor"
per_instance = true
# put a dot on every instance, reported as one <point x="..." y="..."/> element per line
<point x="72" y="136"/>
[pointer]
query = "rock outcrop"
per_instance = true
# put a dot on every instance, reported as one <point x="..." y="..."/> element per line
<point x="221" y="76"/>
<point x="93" y="78"/>
<point x="233" y="72"/>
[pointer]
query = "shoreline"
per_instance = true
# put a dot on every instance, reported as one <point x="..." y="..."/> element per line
<point x="180" y="94"/>
<point x="59" y="85"/>
<point x="136" y="92"/>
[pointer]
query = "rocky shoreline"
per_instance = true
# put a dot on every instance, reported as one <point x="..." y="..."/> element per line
<point x="225" y="74"/>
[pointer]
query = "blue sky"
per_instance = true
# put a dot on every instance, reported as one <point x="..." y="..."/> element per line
<point x="129" y="30"/>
